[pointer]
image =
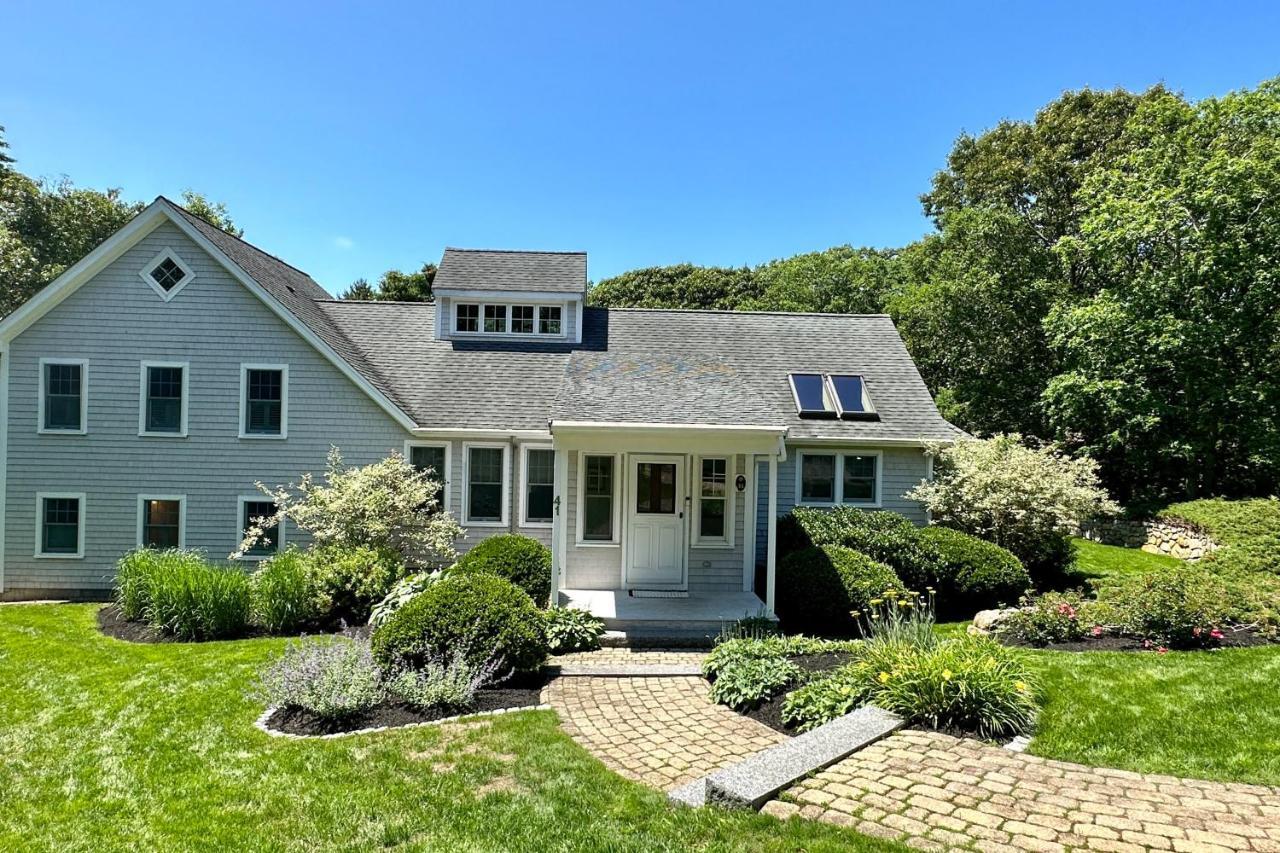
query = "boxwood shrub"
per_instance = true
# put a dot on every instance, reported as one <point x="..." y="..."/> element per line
<point x="974" y="573"/>
<point x="819" y="587"/>
<point x="350" y="581"/>
<point x="524" y="561"/>
<point x="481" y="613"/>
<point x="883" y="536"/>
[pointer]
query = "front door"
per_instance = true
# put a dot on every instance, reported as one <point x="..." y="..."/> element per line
<point x="655" y="522"/>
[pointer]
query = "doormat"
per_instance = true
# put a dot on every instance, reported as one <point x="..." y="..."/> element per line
<point x="658" y="593"/>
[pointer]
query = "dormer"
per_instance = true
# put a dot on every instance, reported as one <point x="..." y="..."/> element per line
<point x="500" y="295"/>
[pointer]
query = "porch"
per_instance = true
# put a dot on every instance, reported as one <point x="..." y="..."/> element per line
<point x="629" y="611"/>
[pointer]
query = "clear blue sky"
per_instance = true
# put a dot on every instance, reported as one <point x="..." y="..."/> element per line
<point x="350" y="139"/>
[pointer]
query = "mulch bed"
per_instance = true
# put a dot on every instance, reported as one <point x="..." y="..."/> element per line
<point x="520" y="692"/>
<point x="111" y="622"/>
<point x="770" y="712"/>
<point x="1242" y="638"/>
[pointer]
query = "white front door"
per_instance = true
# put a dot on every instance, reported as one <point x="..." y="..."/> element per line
<point x="655" y="522"/>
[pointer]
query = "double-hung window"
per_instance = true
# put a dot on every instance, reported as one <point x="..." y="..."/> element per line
<point x="597" y="522"/>
<point x="539" y="486"/>
<point x="495" y="319"/>
<point x="486" y="485"/>
<point x="253" y="510"/>
<point x="522" y="319"/>
<point x="826" y="478"/>
<point x="549" y="320"/>
<point x="60" y="525"/>
<point x="161" y="521"/>
<point x="714" y="509"/>
<point x="163" y="407"/>
<point x="264" y="400"/>
<point x="468" y="317"/>
<point x="432" y="459"/>
<point x="64" y="399"/>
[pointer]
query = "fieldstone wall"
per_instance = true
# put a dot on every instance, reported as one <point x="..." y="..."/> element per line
<point x="1158" y="537"/>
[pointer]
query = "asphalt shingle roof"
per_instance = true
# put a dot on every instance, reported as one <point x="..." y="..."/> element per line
<point x="521" y="272"/>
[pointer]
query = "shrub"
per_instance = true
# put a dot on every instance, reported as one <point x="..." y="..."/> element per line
<point x="193" y="600"/>
<point x="524" y="561"/>
<point x="1027" y="500"/>
<point x="400" y="594"/>
<point x="734" y="652"/>
<point x="748" y="628"/>
<point x="332" y="679"/>
<point x="449" y="684"/>
<point x="1255" y="554"/>
<point x="476" y="612"/>
<point x="1179" y="607"/>
<point x="350" y="580"/>
<point x="386" y="506"/>
<point x="136" y="572"/>
<point x="970" y="683"/>
<point x="899" y="617"/>
<point x="283" y="595"/>
<point x="818" y="588"/>
<point x="884" y="536"/>
<point x="1055" y="617"/>
<point x="974" y="573"/>
<point x="1228" y="522"/>
<point x="746" y="683"/>
<point x="572" y="630"/>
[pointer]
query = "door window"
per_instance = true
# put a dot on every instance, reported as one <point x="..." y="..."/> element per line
<point x="656" y="488"/>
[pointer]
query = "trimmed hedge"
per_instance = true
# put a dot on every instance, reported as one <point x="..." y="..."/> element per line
<point x="481" y="613"/>
<point x="819" y="587"/>
<point x="524" y="561"/>
<point x="884" y="536"/>
<point x="975" y="573"/>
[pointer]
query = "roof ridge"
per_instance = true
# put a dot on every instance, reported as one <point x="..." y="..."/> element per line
<point x="518" y="251"/>
<point x="239" y="239"/>
<point x="335" y="299"/>
<point x="741" y="312"/>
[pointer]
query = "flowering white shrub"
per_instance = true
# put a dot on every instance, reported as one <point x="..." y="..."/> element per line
<point x="1028" y="500"/>
<point x="388" y="504"/>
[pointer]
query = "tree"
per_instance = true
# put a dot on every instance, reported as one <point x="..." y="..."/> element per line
<point x="841" y="280"/>
<point x="1169" y="371"/>
<point x="215" y="213"/>
<point x="677" y="286"/>
<point x="396" y="286"/>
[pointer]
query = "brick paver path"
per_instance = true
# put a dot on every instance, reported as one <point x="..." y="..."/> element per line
<point x="937" y="792"/>
<point x="664" y="732"/>
<point x="631" y="657"/>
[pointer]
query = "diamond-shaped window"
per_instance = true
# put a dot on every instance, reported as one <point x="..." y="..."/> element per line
<point x="167" y="274"/>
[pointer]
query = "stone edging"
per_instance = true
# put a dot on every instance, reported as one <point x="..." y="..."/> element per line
<point x="261" y="723"/>
<point x="1156" y="536"/>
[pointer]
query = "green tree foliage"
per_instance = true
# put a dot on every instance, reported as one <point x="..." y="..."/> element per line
<point x="1170" y="369"/>
<point x="396" y="286"/>
<point x="842" y="280"/>
<point x="215" y="213"/>
<point x="678" y="286"/>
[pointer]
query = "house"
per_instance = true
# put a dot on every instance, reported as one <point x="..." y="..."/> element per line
<point x="147" y="389"/>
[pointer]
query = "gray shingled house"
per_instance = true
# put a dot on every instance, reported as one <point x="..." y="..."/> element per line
<point x="146" y="390"/>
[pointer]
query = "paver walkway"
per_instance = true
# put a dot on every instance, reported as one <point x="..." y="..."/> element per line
<point x="631" y="657"/>
<point x="938" y="792"/>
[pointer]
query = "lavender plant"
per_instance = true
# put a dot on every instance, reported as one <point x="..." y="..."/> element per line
<point x="330" y="678"/>
<point x="448" y="684"/>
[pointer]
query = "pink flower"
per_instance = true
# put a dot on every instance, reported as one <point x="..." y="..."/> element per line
<point x="1197" y="631"/>
<point x="1162" y="650"/>
<point x="1146" y="644"/>
<point x="1216" y="634"/>
<point x="1097" y="630"/>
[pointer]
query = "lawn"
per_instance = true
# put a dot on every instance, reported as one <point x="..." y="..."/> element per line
<point x="1094" y="560"/>
<point x="106" y="745"/>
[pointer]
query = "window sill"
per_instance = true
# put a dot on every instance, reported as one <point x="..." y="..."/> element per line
<point x="162" y="435"/>
<point x="58" y="556"/>
<point x="484" y="524"/>
<point x="62" y="432"/>
<point x="250" y="436"/>
<point x="712" y="546"/>
<point x="597" y="544"/>
<point x="538" y="525"/>
<point x="832" y="505"/>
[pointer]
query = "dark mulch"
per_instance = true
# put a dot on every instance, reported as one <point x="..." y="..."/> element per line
<point x="524" y="692"/>
<point x="112" y="623"/>
<point x="770" y="712"/>
<point x="1241" y="638"/>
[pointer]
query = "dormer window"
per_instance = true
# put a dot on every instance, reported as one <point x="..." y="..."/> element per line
<point x="826" y="395"/>
<point x="468" y="318"/>
<point x="167" y="274"/>
<point x="497" y="318"/>
<point x="549" y="320"/>
<point x="522" y="319"/>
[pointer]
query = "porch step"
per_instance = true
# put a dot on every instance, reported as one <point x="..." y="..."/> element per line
<point x="657" y="638"/>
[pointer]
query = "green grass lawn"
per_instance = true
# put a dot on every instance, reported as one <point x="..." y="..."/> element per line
<point x="1094" y="560"/>
<point x="106" y="745"/>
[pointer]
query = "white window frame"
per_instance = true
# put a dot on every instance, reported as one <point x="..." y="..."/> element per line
<point x="524" y="487"/>
<point x="143" y="385"/>
<point x="245" y="367"/>
<point x="80" y="526"/>
<point x="466" y="483"/>
<point x="840" y="453"/>
<point x="84" y="397"/>
<point x="446" y="476"/>
<point x="143" y="497"/>
<point x="508" y="305"/>
<point x="730" y="507"/>
<point x="145" y="273"/>
<point x="616" y="540"/>
<point x="241" y="500"/>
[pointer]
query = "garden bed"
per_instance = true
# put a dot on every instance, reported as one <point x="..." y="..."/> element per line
<point x="111" y="623"/>
<point x="521" y="692"/>
<point x="1239" y="638"/>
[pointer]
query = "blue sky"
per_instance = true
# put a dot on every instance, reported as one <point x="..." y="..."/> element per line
<point x="352" y="138"/>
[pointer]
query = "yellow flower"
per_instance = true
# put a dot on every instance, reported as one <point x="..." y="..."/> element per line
<point x="884" y="677"/>
<point x="1021" y="685"/>
<point x="855" y="613"/>
<point x="946" y="675"/>
<point x="876" y="601"/>
<point x="906" y="603"/>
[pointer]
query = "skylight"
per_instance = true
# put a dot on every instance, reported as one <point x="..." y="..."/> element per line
<point x="825" y="395"/>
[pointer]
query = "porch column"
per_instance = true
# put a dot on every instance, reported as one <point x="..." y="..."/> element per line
<point x="771" y="559"/>
<point x="559" y="522"/>
<point x="749" y="513"/>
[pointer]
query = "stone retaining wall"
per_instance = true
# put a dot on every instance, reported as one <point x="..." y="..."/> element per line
<point x="1158" y="537"/>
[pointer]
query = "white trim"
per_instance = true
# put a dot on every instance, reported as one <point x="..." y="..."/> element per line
<point x="838" y="472"/>
<point x="750" y="518"/>
<point x="771" y="540"/>
<point x="524" y="488"/>
<point x="4" y="452"/>
<point x="128" y="236"/>
<point x="241" y="500"/>
<point x="466" y="483"/>
<point x="559" y="530"/>
<point x="143" y="385"/>
<point x="516" y="296"/>
<point x="245" y="367"/>
<point x="506" y="302"/>
<point x="638" y="427"/>
<point x="80" y="525"/>
<point x="577" y="327"/>
<point x="84" y="397"/>
<point x="615" y="540"/>
<point x="730" y="502"/>
<point x="166" y="252"/>
<point x="445" y="433"/>
<point x="680" y="461"/>
<point x="870" y="442"/>
<point x="143" y="497"/>
<point x="446" y="476"/>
